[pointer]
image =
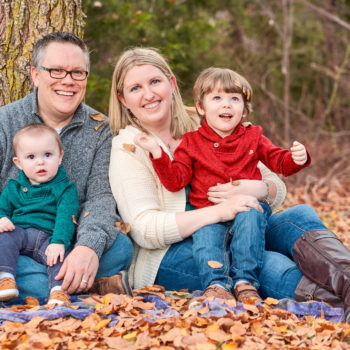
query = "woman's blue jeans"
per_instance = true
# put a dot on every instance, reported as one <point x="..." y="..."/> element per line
<point x="32" y="278"/>
<point x="279" y="274"/>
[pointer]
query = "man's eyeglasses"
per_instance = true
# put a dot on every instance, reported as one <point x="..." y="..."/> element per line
<point x="59" y="73"/>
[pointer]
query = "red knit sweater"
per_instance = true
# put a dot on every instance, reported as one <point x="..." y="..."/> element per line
<point x="204" y="159"/>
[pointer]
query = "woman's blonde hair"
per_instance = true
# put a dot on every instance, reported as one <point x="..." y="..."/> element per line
<point x="120" y="116"/>
<point x="224" y="79"/>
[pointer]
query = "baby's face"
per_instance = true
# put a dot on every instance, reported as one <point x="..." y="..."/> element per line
<point x="39" y="157"/>
<point x="223" y="111"/>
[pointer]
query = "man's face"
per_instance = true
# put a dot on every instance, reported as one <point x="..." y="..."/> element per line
<point x="58" y="99"/>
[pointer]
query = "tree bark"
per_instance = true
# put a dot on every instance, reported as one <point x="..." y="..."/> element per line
<point x="22" y="22"/>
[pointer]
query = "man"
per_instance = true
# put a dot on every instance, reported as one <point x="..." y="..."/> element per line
<point x="59" y="69"/>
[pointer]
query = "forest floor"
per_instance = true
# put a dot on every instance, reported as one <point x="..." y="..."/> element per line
<point x="154" y="319"/>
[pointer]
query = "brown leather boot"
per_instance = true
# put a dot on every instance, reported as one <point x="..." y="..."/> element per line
<point x="308" y="290"/>
<point x="324" y="259"/>
<point x="117" y="284"/>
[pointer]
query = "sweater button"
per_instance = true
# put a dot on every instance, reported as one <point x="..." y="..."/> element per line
<point x="25" y="189"/>
<point x="216" y="144"/>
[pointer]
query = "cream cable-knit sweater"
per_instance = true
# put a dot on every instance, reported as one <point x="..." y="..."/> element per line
<point x="148" y="207"/>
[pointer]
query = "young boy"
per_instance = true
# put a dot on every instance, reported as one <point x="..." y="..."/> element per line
<point x="223" y="150"/>
<point x="37" y="210"/>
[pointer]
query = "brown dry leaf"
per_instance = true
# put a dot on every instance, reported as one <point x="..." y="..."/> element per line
<point x="34" y="322"/>
<point x="271" y="301"/>
<point x="74" y="221"/>
<point x="143" y="305"/>
<point x="129" y="147"/>
<point x="238" y="329"/>
<point x="119" y="343"/>
<point x="214" y="264"/>
<point x="31" y="301"/>
<point x="123" y="227"/>
<point x="98" y="126"/>
<point x="97" y="116"/>
<point x="87" y="213"/>
<point x="234" y="182"/>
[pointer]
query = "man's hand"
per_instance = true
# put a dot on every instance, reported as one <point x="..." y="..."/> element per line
<point x="78" y="270"/>
<point x="299" y="154"/>
<point x="148" y="144"/>
<point x="53" y="252"/>
<point x="6" y="225"/>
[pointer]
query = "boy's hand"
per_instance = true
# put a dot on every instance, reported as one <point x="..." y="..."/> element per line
<point x="53" y="252"/>
<point x="299" y="154"/>
<point x="6" y="225"/>
<point x="148" y="144"/>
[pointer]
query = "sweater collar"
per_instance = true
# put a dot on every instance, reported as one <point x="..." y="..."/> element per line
<point x="23" y="180"/>
<point x="206" y="131"/>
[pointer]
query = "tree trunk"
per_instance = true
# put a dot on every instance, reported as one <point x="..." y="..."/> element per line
<point x="22" y="22"/>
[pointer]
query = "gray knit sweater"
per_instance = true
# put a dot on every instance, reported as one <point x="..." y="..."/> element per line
<point x="86" y="160"/>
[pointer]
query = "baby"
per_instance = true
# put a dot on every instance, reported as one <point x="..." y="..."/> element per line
<point x="37" y="210"/>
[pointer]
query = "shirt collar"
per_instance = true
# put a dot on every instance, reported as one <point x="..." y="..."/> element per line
<point x="206" y="131"/>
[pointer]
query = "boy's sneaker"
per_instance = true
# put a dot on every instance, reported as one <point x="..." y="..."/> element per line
<point x="245" y="291"/>
<point x="8" y="289"/>
<point x="213" y="290"/>
<point x="59" y="297"/>
<point x="217" y="292"/>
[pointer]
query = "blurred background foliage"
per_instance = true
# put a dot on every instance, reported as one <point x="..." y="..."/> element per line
<point x="295" y="53"/>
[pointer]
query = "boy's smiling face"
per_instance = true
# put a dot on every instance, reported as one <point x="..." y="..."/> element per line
<point x="223" y="111"/>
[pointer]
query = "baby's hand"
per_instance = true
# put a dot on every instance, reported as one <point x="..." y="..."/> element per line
<point x="148" y="144"/>
<point x="53" y="252"/>
<point x="299" y="154"/>
<point x="6" y="225"/>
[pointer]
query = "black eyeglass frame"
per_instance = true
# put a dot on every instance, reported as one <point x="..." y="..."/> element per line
<point x="70" y="72"/>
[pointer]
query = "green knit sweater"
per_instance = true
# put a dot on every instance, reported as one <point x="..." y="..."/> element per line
<point x="48" y="207"/>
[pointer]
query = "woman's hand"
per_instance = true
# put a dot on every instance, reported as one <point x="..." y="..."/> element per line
<point x="228" y="209"/>
<point x="221" y="192"/>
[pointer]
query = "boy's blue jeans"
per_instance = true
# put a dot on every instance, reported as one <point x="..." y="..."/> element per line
<point x="30" y="242"/>
<point x="32" y="278"/>
<point x="279" y="275"/>
<point x="237" y="245"/>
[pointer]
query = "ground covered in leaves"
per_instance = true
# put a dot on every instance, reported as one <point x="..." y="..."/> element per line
<point x="122" y="322"/>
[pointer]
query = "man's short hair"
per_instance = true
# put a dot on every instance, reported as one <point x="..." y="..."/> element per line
<point x="35" y="129"/>
<point x="58" y="37"/>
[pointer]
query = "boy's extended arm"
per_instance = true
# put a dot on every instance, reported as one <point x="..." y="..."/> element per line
<point x="277" y="159"/>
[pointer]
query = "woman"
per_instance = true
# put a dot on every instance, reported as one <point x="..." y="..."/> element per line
<point x="145" y="97"/>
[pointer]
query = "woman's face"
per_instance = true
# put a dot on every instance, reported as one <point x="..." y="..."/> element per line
<point x="147" y="93"/>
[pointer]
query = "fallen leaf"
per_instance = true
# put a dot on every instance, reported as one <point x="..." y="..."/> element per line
<point x="74" y="221"/>
<point x="234" y="182"/>
<point x="214" y="264"/>
<point x="32" y="301"/>
<point x="97" y="116"/>
<point x="129" y="147"/>
<point x="87" y="213"/>
<point x="123" y="227"/>
<point x="98" y="126"/>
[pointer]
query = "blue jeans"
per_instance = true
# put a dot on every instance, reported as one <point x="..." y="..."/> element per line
<point x="279" y="275"/>
<point x="237" y="245"/>
<point x="32" y="278"/>
<point x="30" y="242"/>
